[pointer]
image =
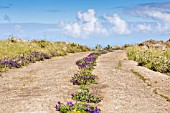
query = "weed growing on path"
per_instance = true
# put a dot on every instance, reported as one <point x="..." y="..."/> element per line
<point x="164" y="96"/>
<point x="85" y="96"/>
<point x="119" y="65"/>
<point x="139" y="75"/>
<point x="70" y="107"/>
<point x="83" y="78"/>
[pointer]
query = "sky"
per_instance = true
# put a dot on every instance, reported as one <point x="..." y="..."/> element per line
<point x="87" y="22"/>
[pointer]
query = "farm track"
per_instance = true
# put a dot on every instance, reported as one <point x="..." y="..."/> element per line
<point x="124" y="92"/>
<point x="37" y="87"/>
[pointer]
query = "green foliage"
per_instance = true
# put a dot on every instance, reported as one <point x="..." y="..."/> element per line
<point x="119" y="65"/>
<point x="98" y="47"/>
<point x="139" y="75"/>
<point x="43" y="43"/>
<point x="164" y="96"/>
<point x="14" y="49"/>
<point x="151" y="58"/>
<point x="72" y="48"/>
<point x="108" y="47"/>
<point x="76" y="108"/>
<point x="83" y="77"/>
<point x="85" y="96"/>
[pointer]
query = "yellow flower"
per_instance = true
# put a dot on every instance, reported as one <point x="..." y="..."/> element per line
<point x="78" y="112"/>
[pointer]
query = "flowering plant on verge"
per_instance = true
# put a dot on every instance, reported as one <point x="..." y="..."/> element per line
<point x="23" y="60"/>
<point x="76" y="108"/>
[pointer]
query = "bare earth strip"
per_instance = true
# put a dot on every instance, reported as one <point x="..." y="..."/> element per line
<point x="124" y="92"/>
<point x="39" y="86"/>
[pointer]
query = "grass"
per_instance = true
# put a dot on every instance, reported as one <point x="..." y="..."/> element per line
<point x="15" y="53"/>
<point x="11" y="49"/>
<point x="119" y="65"/>
<point x="139" y="75"/>
<point x="84" y="87"/>
<point x="164" y="96"/>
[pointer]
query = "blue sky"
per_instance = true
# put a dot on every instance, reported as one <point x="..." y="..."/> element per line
<point x="89" y="22"/>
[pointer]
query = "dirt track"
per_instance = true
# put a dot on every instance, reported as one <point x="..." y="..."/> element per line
<point x="37" y="88"/>
<point x="124" y="92"/>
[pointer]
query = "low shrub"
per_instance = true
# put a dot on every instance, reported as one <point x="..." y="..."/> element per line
<point x="85" y="96"/>
<point x="70" y="107"/>
<point x="15" y="53"/>
<point x="83" y="77"/>
<point x="151" y="58"/>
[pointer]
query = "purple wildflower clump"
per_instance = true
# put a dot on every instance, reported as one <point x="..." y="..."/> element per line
<point x="22" y="60"/>
<point x="88" y="62"/>
<point x="83" y="78"/>
<point x="9" y="63"/>
<point x="85" y="108"/>
<point x="36" y="56"/>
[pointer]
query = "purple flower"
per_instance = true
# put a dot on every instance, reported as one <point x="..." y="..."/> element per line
<point x="59" y="103"/>
<point x="87" y="107"/>
<point x="96" y="110"/>
<point x="57" y="109"/>
<point x="57" y="106"/>
<point x="70" y="104"/>
<point x="72" y="95"/>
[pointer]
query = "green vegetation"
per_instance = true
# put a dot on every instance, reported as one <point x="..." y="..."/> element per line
<point x="165" y="97"/>
<point x="85" y="96"/>
<point x="154" y="59"/>
<point x="15" y="53"/>
<point x="119" y="65"/>
<point x="138" y="75"/>
<point x="71" y="107"/>
<point x="13" y="47"/>
<point x="83" y="78"/>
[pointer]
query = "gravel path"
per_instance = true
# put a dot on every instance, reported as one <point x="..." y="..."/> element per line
<point x="124" y="92"/>
<point x="37" y="87"/>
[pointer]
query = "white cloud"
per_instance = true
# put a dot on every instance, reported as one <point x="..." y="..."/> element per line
<point x="159" y="12"/>
<point x="119" y="25"/>
<point x="143" y="27"/>
<point x="89" y="16"/>
<point x="163" y="18"/>
<point x="86" y="25"/>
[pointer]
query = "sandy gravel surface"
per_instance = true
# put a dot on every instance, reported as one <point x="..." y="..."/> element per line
<point x="37" y="88"/>
<point x="124" y="92"/>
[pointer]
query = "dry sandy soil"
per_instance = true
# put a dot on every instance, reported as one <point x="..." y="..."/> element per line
<point x="37" y="87"/>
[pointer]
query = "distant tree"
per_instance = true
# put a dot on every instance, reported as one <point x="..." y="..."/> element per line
<point x="108" y="47"/>
<point x="98" y="47"/>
